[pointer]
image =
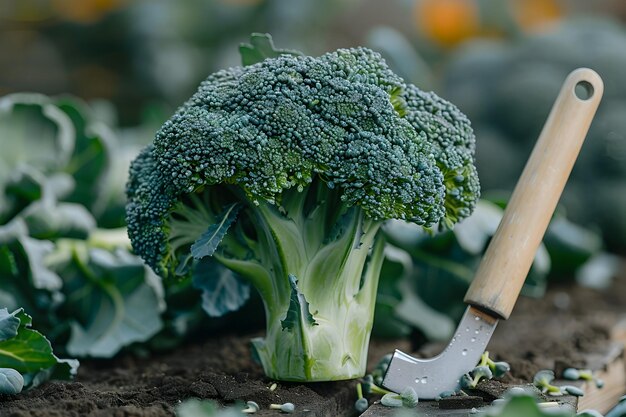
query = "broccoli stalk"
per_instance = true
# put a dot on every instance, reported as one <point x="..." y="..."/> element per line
<point x="314" y="260"/>
<point x="283" y="172"/>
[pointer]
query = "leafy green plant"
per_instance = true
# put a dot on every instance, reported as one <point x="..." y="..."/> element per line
<point x="486" y="369"/>
<point x="11" y="381"/>
<point x="251" y="408"/>
<point x="202" y="408"/>
<point x="407" y="398"/>
<point x="524" y="405"/>
<point x="543" y="380"/>
<point x="472" y="379"/>
<point x="574" y="374"/>
<point x="283" y="172"/>
<point x="84" y="288"/>
<point x="417" y="265"/>
<point x="26" y="357"/>
<point x="286" y="408"/>
<point x="361" y="404"/>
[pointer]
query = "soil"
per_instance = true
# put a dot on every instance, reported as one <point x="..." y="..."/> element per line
<point x="557" y="330"/>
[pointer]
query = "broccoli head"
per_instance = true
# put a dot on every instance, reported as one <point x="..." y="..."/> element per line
<point x="283" y="172"/>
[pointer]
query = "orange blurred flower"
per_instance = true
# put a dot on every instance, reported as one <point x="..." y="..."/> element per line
<point x="447" y="22"/>
<point x="450" y="22"/>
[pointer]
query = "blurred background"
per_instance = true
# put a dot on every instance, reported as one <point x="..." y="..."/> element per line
<point x="108" y="73"/>
<point x="501" y="62"/>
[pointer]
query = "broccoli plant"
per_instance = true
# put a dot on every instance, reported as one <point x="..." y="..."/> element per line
<point x="283" y="171"/>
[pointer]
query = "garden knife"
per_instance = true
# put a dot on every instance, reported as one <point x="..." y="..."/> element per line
<point x="503" y="268"/>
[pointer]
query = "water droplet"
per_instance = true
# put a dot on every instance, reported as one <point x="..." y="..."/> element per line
<point x="424" y="380"/>
<point x="467" y="329"/>
<point x="477" y="318"/>
<point x="464" y="352"/>
<point x="473" y="339"/>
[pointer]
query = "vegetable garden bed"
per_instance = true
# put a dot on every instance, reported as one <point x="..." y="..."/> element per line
<point x="304" y="227"/>
<point x="569" y="327"/>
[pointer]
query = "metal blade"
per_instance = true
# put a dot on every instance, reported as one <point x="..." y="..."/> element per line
<point x="431" y="377"/>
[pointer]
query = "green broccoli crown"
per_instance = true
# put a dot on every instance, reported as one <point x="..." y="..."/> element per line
<point x="344" y="117"/>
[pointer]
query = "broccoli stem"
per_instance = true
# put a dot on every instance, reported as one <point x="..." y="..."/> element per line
<point x="314" y="260"/>
<point x="318" y="327"/>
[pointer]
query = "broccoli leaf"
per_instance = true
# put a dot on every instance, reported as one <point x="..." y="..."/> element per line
<point x="523" y="406"/>
<point x="11" y="381"/>
<point x="64" y="369"/>
<point x="28" y="351"/>
<point x="261" y="47"/>
<point x="203" y="408"/>
<point x="22" y="255"/>
<point x="26" y="279"/>
<point x="9" y="324"/>
<point x="24" y="186"/>
<point x="48" y="219"/>
<point x="41" y="276"/>
<point x="122" y="319"/>
<point x="33" y="132"/>
<point x="222" y="290"/>
<point x="26" y="357"/>
<point x="298" y="314"/>
<point x="91" y="160"/>
<point x="210" y="240"/>
<point x="112" y="298"/>
<point x="401" y="305"/>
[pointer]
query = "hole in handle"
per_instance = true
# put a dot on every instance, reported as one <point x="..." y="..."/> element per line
<point x="583" y="90"/>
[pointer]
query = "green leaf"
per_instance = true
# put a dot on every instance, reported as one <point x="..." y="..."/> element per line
<point x="386" y="324"/>
<point x="260" y="48"/>
<point x="11" y="381"/>
<point x="298" y="314"/>
<point x="9" y="324"/>
<point x="8" y="265"/>
<point x="24" y="185"/>
<point x="26" y="279"/>
<point x="222" y="290"/>
<point x="91" y="161"/>
<point x="120" y="320"/>
<point x="570" y="246"/>
<point x="25" y="319"/>
<point x="391" y="400"/>
<point x="473" y="233"/>
<point x="523" y="406"/>
<point x="411" y="309"/>
<point x="48" y="219"/>
<point x="41" y="276"/>
<point x="28" y="351"/>
<point x="201" y="408"/>
<point x="113" y="298"/>
<point x="210" y="240"/>
<point x="35" y="132"/>
<point x="64" y="369"/>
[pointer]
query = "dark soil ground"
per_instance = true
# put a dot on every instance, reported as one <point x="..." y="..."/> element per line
<point x="557" y="330"/>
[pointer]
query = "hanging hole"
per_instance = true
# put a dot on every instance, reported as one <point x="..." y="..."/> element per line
<point x="583" y="90"/>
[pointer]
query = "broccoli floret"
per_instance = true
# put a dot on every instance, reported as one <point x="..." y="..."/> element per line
<point x="284" y="171"/>
<point x="452" y="138"/>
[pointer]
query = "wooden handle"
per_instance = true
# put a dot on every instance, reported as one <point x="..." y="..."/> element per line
<point x="510" y="254"/>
